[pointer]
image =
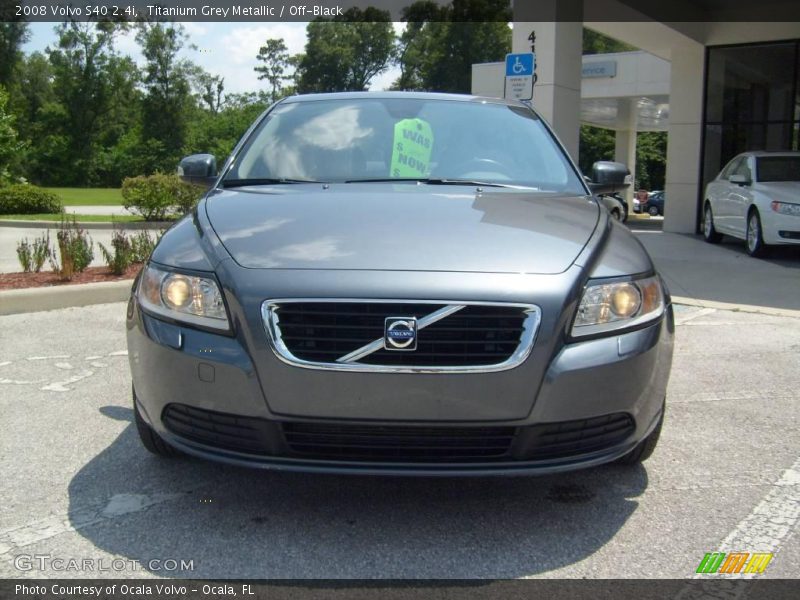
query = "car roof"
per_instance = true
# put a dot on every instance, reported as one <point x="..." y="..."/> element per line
<point x="760" y="153"/>
<point x="387" y="95"/>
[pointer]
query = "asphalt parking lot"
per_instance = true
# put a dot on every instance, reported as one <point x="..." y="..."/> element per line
<point x="77" y="483"/>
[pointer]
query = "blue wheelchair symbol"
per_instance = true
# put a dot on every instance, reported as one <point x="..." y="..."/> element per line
<point x="519" y="65"/>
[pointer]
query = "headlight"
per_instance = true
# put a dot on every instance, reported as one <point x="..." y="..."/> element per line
<point x="786" y="208"/>
<point x="183" y="297"/>
<point x="618" y="305"/>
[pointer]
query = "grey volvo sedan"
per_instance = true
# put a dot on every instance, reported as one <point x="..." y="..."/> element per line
<point x="395" y="283"/>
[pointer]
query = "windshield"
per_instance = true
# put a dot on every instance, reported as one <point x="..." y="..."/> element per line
<point x="399" y="139"/>
<point x="778" y="168"/>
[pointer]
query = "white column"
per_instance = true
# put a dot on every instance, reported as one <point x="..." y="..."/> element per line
<point x="683" y="141"/>
<point x="559" y="46"/>
<point x="625" y="142"/>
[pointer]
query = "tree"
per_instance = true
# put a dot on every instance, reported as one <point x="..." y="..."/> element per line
<point x="275" y="56"/>
<point x="414" y="43"/>
<point x="651" y="159"/>
<point x="217" y="133"/>
<point x="595" y="144"/>
<point x="597" y="43"/>
<point x="115" y="158"/>
<point x="31" y="90"/>
<point x="8" y="138"/>
<point x="168" y="93"/>
<point x="212" y="92"/>
<point x="82" y="87"/>
<point x="209" y="89"/>
<point x="12" y="35"/>
<point x="441" y="43"/>
<point x="346" y="52"/>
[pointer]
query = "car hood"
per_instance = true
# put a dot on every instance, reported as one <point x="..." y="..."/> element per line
<point x="783" y="191"/>
<point x="402" y="227"/>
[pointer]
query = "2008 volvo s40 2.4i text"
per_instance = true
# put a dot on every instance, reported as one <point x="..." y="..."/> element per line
<point x="395" y="283"/>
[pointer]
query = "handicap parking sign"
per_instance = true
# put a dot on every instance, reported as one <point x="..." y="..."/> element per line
<point x="519" y="76"/>
<point x="519" y="65"/>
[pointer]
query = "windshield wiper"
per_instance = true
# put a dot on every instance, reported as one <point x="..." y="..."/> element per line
<point x="230" y="183"/>
<point x="439" y="181"/>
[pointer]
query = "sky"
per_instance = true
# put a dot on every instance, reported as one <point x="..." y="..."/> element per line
<point x="225" y="49"/>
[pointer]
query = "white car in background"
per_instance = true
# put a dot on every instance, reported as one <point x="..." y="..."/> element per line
<point x="756" y="198"/>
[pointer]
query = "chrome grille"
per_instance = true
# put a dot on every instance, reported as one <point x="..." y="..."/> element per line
<point x="451" y="336"/>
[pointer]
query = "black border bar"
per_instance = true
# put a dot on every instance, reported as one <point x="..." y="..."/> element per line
<point x="711" y="587"/>
<point x="665" y="11"/>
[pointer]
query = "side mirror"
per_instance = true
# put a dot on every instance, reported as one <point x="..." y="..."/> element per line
<point x="609" y="177"/>
<point x="200" y="169"/>
<point x="740" y="179"/>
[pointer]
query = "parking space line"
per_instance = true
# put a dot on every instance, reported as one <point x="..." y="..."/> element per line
<point x="747" y="308"/>
<point x="765" y="529"/>
<point x="117" y="506"/>
<point x="772" y="521"/>
<point x="759" y="395"/>
<point x="61" y="386"/>
<point x="680" y="320"/>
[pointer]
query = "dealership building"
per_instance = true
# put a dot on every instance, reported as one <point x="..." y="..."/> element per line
<point x="718" y="80"/>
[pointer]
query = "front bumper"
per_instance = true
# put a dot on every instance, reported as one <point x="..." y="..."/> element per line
<point x="415" y="469"/>
<point x="780" y="229"/>
<point x="618" y="375"/>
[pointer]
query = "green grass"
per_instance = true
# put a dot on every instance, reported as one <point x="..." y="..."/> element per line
<point x="85" y="218"/>
<point x="88" y="196"/>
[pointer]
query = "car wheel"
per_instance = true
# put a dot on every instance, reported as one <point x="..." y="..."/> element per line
<point x="150" y="439"/>
<point x="653" y="210"/>
<point x="754" y="242"/>
<point x="617" y="214"/>
<point x="645" y="448"/>
<point x="710" y="234"/>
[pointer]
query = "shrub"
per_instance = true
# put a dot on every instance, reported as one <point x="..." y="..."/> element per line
<point x="32" y="256"/>
<point x="156" y="196"/>
<point x="24" y="252"/>
<point x="22" y="199"/>
<point x="126" y="251"/>
<point x="142" y="245"/>
<point x="119" y="260"/>
<point x="75" y="248"/>
<point x="188" y="196"/>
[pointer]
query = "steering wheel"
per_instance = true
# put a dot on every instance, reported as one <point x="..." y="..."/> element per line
<point x="482" y="164"/>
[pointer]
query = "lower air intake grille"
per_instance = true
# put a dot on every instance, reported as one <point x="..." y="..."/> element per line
<point x="227" y="432"/>
<point x="568" y="438"/>
<point x="395" y="443"/>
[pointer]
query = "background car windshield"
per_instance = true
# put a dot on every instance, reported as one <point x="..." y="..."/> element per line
<point x="402" y="138"/>
<point x="778" y="168"/>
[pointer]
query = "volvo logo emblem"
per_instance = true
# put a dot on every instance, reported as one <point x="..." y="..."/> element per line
<point x="400" y="333"/>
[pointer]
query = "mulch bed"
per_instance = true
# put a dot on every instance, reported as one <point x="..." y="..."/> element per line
<point x="15" y="281"/>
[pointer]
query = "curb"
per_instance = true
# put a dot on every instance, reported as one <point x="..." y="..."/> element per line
<point x="64" y="296"/>
<point x="748" y="308"/>
<point x="157" y="225"/>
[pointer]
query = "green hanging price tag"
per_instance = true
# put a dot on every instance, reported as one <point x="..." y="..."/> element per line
<point x="413" y="145"/>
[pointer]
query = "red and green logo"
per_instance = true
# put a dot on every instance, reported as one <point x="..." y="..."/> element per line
<point x="734" y="562"/>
